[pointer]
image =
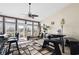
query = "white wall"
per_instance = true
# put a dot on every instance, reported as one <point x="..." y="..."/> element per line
<point x="71" y="16"/>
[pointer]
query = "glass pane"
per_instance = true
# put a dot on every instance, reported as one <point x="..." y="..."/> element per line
<point x="29" y="30"/>
<point x="1" y="25"/>
<point x="36" y="24"/>
<point x="36" y="31"/>
<point x="10" y="29"/>
<point x="1" y="18"/>
<point x="21" y="28"/>
<point x="10" y="26"/>
<point x="25" y="30"/>
<point x="29" y="23"/>
<point x="21" y="21"/>
<point x="9" y="20"/>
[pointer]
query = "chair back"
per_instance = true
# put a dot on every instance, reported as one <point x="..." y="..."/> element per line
<point x="17" y="36"/>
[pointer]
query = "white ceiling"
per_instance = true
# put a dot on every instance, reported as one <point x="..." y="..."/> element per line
<point x="20" y="9"/>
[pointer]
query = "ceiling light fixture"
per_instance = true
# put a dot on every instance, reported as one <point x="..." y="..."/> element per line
<point x="30" y="14"/>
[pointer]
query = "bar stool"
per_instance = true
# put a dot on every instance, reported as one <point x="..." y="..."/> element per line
<point x="14" y="40"/>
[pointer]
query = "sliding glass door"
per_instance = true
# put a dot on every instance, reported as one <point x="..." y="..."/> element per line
<point x="29" y="28"/>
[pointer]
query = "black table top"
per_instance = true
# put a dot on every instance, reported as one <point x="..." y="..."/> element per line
<point x="55" y="35"/>
<point x="58" y="36"/>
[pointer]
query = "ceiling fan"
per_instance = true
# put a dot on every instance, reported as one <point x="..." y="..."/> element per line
<point x="30" y="14"/>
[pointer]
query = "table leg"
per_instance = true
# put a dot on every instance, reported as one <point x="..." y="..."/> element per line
<point x="62" y="43"/>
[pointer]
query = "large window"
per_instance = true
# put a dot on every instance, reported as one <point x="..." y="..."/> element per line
<point x="1" y="25"/>
<point x="21" y="27"/>
<point x="10" y="26"/>
<point x="24" y="27"/>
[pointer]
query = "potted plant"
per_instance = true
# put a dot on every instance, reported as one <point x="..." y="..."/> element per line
<point x="45" y="29"/>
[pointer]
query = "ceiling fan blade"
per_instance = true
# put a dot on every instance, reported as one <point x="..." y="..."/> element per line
<point x="34" y="15"/>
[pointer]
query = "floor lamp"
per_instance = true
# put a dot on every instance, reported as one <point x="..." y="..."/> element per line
<point x="63" y="42"/>
<point x="62" y="24"/>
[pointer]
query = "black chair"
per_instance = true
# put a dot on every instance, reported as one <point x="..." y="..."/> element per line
<point x="73" y="44"/>
<point x="56" y="43"/>
<point x="74" y="47"/>
<point x="14" y="40"/>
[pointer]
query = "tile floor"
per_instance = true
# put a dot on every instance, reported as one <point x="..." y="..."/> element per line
<point x="34" y="48"/>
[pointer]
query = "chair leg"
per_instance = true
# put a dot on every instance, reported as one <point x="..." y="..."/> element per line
<point x="9" y="48"/>
<point x="46" y="42"/>
<point x="57" y="49"/>
<point x="29" y="50"/>
<point x="17" y="47"/>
